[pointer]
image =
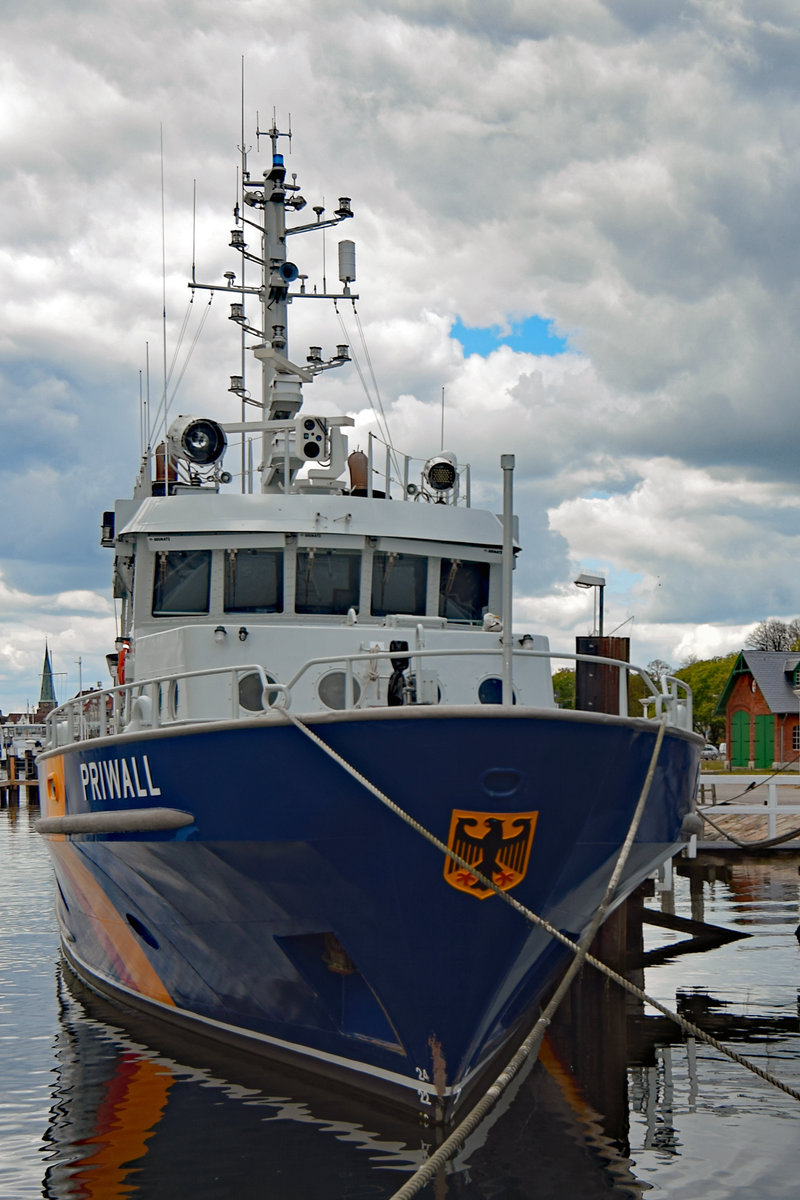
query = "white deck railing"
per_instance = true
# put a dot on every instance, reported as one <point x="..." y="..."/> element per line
<point x="155" y="703"/>
<point x="143" y="704"/>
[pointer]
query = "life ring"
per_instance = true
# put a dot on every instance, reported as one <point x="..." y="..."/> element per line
<point x="121" y="662"/>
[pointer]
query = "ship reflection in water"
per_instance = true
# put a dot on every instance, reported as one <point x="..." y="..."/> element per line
<point x="154" y="1118"/>
<point x="142" y="1113"/>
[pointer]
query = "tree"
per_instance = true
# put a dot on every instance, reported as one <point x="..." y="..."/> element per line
<point x="707" y="680"/>
<point x="638" y="689"/>
<point x="773" y="634"/>
<point x="564" y="688"/>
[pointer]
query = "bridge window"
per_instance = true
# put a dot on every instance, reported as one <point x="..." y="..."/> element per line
<point x="463" y="590"/>
<point x="327" y="580"/>
<point x="399" y="582"/>
<point x="254" y="581"/>
<point x="181" y="584"/>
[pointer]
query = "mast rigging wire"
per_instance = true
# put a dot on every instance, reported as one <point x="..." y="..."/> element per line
<point x="368" y="357"/>
<point x="377" y="404"/>
<point x="191" y="349"/>
<point x="160" y="425"/>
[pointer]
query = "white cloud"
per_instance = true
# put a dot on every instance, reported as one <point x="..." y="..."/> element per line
<point x="628" y="171"/>
<point x="77" y="627"/>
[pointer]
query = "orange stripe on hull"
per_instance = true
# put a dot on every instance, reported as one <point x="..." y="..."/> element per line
<point x="120" y="943"/>
<point x="53" y="796"/>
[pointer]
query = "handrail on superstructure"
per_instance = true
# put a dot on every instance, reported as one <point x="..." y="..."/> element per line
<point x="145" y="704"/>
<point x="138" y="705"/>
<point x="678" y="709"/>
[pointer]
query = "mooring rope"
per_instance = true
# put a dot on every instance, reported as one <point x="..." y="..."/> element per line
<point x="762" y="844"/>
<point x="580" y="949"/>
<point x="533" y="1041"/>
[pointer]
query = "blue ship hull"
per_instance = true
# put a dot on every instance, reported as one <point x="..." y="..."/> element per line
<point x="298" y="913"/>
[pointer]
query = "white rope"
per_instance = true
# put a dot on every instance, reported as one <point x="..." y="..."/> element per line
<point x="533" y="1041"/>
<point x="580" y="950"/>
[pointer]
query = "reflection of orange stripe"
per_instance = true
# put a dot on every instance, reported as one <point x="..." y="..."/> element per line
<point x="114" y="933"/>
<point x="136" y="1098"/>
<point x="558" y="1070"/>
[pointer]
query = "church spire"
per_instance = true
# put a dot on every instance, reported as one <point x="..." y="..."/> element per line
<point x="47" y="695"/>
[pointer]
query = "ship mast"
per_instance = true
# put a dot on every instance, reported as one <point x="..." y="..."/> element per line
<point x="283" y="401"/>
<point x="261" y="215"/>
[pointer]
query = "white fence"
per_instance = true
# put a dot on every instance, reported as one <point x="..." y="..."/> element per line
<point x="763" y="797"/>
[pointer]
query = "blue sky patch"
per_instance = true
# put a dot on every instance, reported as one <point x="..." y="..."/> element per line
<point x="534" y="335"/>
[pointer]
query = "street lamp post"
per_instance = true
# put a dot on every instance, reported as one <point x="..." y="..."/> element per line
<point x="598" y="582"/>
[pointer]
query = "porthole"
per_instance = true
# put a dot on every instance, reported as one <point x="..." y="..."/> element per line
<point x="250" y="696"/>
<point x="141" y="929"/>
<point x="490" y="691"/>
<point x="331" y="689"/>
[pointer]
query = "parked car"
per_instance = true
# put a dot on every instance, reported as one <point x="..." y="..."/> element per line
<point x="710" y="751"/>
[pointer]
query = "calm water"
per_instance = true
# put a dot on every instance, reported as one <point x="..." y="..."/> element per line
<point x="619" y="1107"/>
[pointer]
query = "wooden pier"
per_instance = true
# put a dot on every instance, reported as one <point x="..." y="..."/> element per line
<point x="12" y="785"/>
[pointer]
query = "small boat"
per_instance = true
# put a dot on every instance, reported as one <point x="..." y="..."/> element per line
<point x="326" y="759"/>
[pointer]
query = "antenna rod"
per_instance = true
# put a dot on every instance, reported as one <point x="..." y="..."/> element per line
<point x="442" y="445"/>
<point x="163" y="279"/>
<point x="147" y="426"/>
<point x="507" y="467"/>
<point x="194" y="232"/>
<point x="243" y="351"/>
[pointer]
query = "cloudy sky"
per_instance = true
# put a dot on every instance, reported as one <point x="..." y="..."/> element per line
<point x="620" y="175"/>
